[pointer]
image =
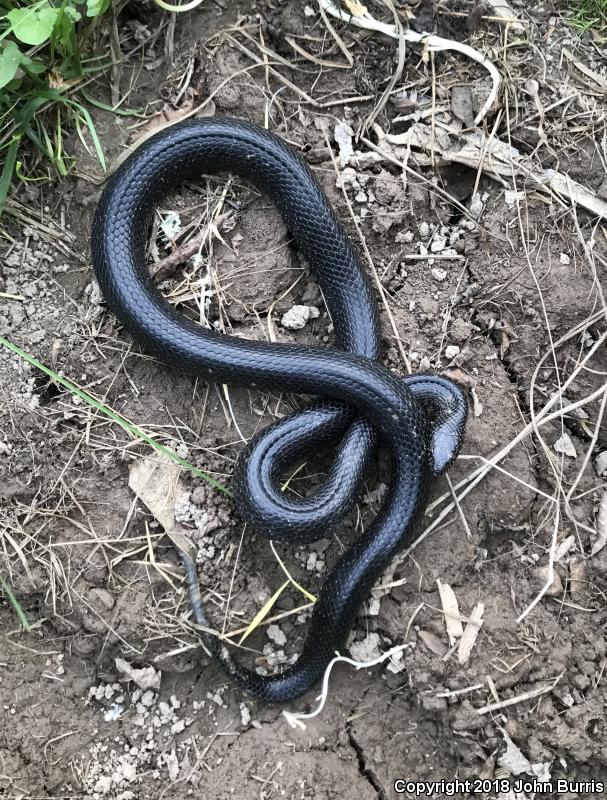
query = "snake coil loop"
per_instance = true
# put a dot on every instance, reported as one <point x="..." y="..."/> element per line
<point x="421" y="418"/>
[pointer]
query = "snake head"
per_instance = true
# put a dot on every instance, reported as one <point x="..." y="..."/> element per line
<point x="445" y="442"/>
<point x="446" y="407"/>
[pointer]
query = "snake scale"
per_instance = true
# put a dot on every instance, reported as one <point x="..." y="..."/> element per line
<point x="421" y="418"/>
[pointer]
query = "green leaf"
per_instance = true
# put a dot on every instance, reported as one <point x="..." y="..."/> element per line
<point x="33" y="25"/>
<point x="63" y="33"/>
<point x="34" y="67"/>
<point x="7" y="172"/>
<point x="15" y="604"/>
<point x="11" y="58"/>
<point x="95" y="8"/>
<point x="73" y="13"/>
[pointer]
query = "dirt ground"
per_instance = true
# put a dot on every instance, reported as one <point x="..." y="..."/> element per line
<point x="493" y="280"/>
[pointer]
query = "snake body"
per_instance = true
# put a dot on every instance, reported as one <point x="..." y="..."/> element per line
<point x="421" y="418"/>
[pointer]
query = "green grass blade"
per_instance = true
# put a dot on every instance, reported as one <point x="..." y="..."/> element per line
<point x="92" y="130"/>
<point x="15" y="604"/>
<point x="129" y="427"/>
<point x="122" y="112"/>
<point x="24" y="115"/>
<point x="7" y="172"/>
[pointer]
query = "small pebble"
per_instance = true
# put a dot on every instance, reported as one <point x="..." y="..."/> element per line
<point x="276" y="635"/>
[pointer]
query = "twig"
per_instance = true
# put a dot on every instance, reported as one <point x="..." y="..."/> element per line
<point x="167" y="266"/>
<point x="431" y="43"/>
<point x="512" y="701"/>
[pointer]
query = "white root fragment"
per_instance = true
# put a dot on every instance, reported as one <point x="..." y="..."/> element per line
<point x="432" y="44"/>
<point x="295" y="720"/>
<point x="471" y="633"/>
<point x="601" y="526"/>
<point x="453" y="620"/>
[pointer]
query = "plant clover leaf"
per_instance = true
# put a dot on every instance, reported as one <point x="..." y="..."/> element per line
<point x="94" y="8"/>
<point x="33" y="25"/>
<point x="11" y="59"/>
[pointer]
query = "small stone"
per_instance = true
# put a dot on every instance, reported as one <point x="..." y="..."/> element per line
<point x="451" y="351"/>
<point x="424" y="230"/>
<point x="375" y="495"/>
<point x="565" y="445"/>
<point x="581" y="681"/>
<point x="367" y="649"/>
<point x="245" y="715"/>
<point x="439" y="274"/>
<point x="438" y="244"/>
<point x="343" y="136"/>
<point x="103" y="784"/>
<point x="276" y="635"/>
<point x="172" y="765"/>
<point x="396" y="663"/>
<point x="477" y="204"/>
<point x="146" y="677"/>
<point x="129" y="772"/>
<point x="433" y="703"/>
<point x="556" y="587"/>
<point x="510" y="196"/>
<point x="460" y="330"/>
<point x="374" y="604"/>
<point x="297" y="316"/>
<point x="600" y="464"/>
<point x="578" y="579"/>
<point x="147" y="699"/>
<point x="171" y="224"/>
<point x="101" y="598"/>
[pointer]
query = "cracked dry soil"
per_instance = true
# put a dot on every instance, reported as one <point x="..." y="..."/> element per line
<point x="97" y="579"/>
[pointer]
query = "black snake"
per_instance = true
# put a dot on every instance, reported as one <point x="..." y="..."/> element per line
<point x="420" y="418"/>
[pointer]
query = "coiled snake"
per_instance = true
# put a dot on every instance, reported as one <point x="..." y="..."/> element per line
<point x="421" y="418"/>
